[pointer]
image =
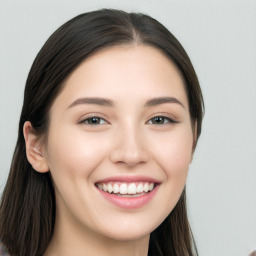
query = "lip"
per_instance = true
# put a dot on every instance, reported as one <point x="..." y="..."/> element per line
<point x="129" y="202"/>
<point x="128" y="178"/>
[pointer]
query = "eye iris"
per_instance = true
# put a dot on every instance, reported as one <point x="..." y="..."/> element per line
<point x="158" y="120"/>
<point x="94" y="120"/>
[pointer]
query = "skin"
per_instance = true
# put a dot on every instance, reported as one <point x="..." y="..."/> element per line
<point x="125" y="141"/>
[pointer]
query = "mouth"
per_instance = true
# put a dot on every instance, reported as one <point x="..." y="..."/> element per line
<point x="128" y="193"/>
<point x="127" y="189"/>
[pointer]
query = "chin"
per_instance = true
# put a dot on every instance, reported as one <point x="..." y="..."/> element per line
<point x="128" y="235"/>
<point x="130" y="231"/>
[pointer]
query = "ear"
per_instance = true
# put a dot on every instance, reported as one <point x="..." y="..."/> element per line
<point x="34" y="149"/>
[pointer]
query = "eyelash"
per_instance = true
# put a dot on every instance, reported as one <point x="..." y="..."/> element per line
<point x="86" y="121"/>
<point x="166" y="120"/>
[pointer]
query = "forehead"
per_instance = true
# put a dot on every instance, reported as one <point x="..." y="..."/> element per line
<point x="120" y="71"/>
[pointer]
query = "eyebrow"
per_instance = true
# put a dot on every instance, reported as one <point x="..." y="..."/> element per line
<point x="109" y="103"/>
<point x="162" y="100"/>
<point x="93" y="101"/>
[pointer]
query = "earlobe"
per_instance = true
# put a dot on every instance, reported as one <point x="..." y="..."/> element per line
<point x="34" y="149"/>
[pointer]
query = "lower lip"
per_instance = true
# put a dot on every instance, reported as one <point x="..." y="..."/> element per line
<point x="129" y="202"/>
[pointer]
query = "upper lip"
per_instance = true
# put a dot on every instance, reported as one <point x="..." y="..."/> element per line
<point x="129" y="178"/>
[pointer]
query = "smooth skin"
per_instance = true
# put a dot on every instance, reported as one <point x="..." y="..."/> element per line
<point x="138" y="125"/>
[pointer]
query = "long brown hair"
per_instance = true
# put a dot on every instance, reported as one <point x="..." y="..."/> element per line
<point x="27" y="210"/>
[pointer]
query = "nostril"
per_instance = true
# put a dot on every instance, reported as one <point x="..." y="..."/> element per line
<point x="128" y="157"/>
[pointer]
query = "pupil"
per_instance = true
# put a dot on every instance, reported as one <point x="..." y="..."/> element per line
<point x="158" y="120"/>
<point x="94" y="120"/>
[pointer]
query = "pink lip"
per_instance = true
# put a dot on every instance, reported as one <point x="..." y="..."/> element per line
<point x="128" y="178"/>
<point x="129" y="202"/>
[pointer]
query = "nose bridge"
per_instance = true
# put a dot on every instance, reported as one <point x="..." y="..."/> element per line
<point x="129" y="146"/>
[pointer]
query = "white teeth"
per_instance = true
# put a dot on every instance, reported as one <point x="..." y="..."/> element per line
<point x="151" y="186"/>
<point x="132" y="189"/>
<point x="123" y="189"/>
<point x="110" y="189"/>
<point x="126" y="188"/>
<point x="105" y="187"/>
<point x="139" y="188"/>
<point x="116" y="188"/>
<point x="145" y="188"/>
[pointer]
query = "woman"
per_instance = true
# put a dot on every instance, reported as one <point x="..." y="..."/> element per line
<point x="111" y="116"/>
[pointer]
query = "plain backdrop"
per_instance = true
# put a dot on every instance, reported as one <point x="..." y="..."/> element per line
<point x="220" y="38"/>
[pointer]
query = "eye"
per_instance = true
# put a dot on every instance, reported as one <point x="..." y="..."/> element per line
<point x="94" y="120"/>
<point x="160" y="120"/>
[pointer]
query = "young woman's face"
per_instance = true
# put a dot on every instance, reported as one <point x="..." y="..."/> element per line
<point x="120" y="128"/>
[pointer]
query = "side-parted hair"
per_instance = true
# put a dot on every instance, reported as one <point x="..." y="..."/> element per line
<point x="27" y="209"/>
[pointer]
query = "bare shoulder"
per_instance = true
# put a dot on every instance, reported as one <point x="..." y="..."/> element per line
<point x="253" y="253"/>
<point x="2" y="250"/>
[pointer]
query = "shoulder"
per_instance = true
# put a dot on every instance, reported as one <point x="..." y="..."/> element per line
<point x="2" y="250"/>
<point x="253" y="253"/>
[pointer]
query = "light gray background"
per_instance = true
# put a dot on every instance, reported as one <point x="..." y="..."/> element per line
<point x="220" y="37"/>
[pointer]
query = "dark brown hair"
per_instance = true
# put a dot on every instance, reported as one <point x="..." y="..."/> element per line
<point x="27" y="210"/>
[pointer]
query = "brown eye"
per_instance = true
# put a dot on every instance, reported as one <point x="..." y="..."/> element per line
<point x="160" y="120"/>
<point x="94" y="121"/>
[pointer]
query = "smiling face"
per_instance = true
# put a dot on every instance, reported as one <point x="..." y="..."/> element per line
<point x="119" y="128"/>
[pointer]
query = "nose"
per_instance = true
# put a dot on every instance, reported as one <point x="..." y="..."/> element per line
<point x="129" y="148"/>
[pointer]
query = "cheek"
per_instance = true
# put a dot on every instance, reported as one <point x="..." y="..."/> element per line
<point x="74" y="153"/>
<point x="173" y="152"/>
